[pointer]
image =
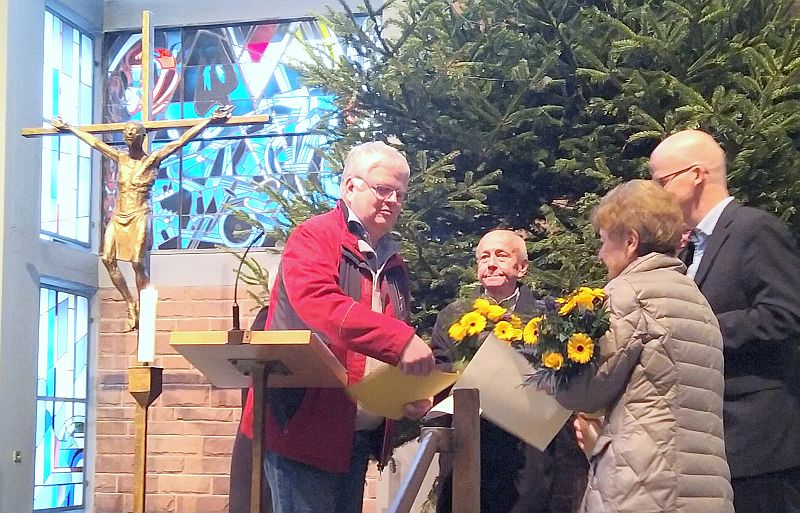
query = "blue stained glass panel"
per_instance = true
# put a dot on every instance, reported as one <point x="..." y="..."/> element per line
<point x="61" y="400"/>
<point x="66" y="192"/>
<point x="248" y="66"/>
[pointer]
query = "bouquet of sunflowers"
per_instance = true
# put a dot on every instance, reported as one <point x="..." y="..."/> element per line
<point x="469" y="331"/>
<point x="558" y="343"/>
<point x="568" y="338"/>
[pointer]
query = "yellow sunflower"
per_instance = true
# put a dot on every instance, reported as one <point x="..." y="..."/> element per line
<point x="481" y="305"/>
<point x="598" y="293"/>
<point x="457" y="332"/>
<point x="474" y="322"/>
<point x="580" y="348"/>
<point x="586" y="297"/>
<point x="567" y="305"/>
<point x="504" y="331"/>
<point x="553" y="360"/>
<point x="516" y="322"/>
<point x="495" y="312"/>
<point x="531" y="332"/>
<point x="584" y="300"/>
<point x="517" y="334"/>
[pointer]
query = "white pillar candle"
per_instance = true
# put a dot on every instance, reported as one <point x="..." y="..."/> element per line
<point x="148" y="299"/>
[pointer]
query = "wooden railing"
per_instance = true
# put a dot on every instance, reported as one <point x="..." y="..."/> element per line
<point x="459" y="448"/>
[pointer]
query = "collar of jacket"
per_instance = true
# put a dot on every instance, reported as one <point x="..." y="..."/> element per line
<point x="653" y="261"/>
<point x="716" y="240"/>
<point x="350" y="247"/>
<point x="526" y="302"/>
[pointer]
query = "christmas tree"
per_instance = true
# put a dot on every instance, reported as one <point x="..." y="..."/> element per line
<point x="521" y="113"/>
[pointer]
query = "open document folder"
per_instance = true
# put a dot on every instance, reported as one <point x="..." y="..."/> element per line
<point x="526" y="412"/>
<point x="386" y="390"/>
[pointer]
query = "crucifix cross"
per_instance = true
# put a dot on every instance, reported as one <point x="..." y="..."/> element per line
<point x="128" y="233"/>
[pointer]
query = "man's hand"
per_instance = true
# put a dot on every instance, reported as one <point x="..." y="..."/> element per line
<point x="417" y="358"/>
<point x="417" y="409"/>
<point x="58" y="123"/>
<point x="221" y="113"/>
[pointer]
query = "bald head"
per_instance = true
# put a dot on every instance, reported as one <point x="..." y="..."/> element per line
<point x="691" y="147"/>
<point x="506" y="238"/>
<point x="502" y="261"/>
<point x="691" y="165"/>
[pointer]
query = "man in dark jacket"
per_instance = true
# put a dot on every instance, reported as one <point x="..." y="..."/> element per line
<point x="746" y="264"/>
<point x="515" y="477"/>
<point x="341" y="276"/>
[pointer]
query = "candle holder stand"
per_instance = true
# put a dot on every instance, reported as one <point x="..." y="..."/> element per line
<point x="144" y="384"/>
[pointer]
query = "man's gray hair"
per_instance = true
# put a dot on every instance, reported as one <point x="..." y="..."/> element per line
<point x="366" y="156"/>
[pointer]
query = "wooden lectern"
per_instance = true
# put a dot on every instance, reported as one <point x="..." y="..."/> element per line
<point x="276" y="359"/>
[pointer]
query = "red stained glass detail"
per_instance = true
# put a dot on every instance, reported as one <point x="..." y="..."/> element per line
<point x="259" y="41"/>
<point x="165" y="58"/>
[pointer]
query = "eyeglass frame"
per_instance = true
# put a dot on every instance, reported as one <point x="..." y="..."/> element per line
<point x="671" y="176"/>
<point x="400" y="195"/>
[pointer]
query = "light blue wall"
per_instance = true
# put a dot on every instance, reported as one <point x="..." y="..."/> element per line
<point x="25" y="259"/>
<point x="20" y="105"/>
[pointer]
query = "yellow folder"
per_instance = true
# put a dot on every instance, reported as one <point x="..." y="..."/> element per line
<point x="386" y="390"/>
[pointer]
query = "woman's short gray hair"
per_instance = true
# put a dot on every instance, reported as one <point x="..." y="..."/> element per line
<point x="366" y="156"/>
<point x="646" y="208"/>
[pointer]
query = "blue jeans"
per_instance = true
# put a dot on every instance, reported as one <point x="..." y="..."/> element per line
<point x="300" y="488"/>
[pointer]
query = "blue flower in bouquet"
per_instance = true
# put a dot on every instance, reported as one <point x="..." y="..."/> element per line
<point x="549" y="305"/>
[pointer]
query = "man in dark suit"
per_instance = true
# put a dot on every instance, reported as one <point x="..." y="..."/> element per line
<point x="746" y="263"/>
<point x="515" y="477"/>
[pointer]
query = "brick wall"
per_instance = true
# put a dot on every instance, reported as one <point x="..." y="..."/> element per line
<point x="191" y="425"/>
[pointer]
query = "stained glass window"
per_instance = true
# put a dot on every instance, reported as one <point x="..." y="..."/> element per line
<point x="250" y="67"/>
<point x="66" y="162"/>
<point x="61" y="400"/>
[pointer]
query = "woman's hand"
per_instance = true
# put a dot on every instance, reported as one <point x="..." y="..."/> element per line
<point x="587" y="430"/>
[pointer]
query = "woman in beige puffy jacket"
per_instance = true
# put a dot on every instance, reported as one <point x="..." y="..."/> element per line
<point x="660" y="382"/>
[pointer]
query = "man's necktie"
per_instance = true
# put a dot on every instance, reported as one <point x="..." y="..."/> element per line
<point x="697" y="243"/>
<point x="697" y="238"/>
<point x="687" y="253"/>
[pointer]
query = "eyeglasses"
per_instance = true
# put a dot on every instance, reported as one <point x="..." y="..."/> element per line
<point x="384" y="192"/>
<point x="665" y="180"/>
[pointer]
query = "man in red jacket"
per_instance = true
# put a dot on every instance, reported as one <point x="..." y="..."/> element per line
<point x="341" y="276"/>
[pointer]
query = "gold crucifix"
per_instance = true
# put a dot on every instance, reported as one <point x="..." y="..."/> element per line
<point x="128" y="235"/>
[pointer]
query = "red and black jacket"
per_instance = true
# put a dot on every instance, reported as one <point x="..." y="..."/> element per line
<point x="324" y="284"/>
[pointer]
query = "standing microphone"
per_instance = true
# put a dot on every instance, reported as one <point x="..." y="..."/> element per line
<point x="236" y="335"/>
